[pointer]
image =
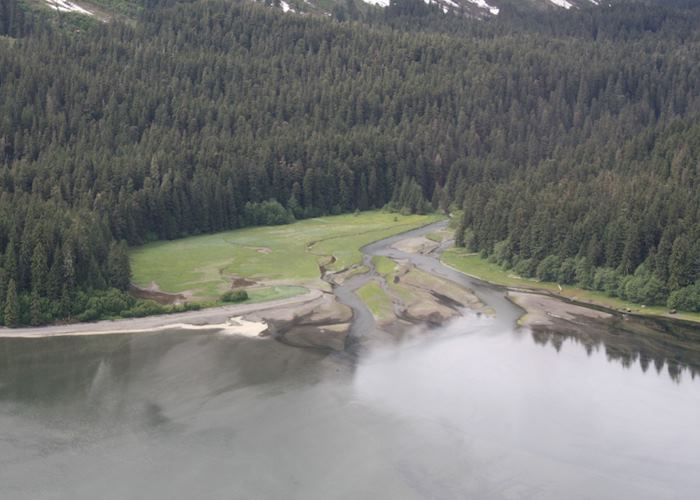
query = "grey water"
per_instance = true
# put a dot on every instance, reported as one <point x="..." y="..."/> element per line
<point x="477" y="409"/>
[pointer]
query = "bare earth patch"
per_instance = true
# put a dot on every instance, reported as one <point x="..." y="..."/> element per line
<point x="420" y="245"/>
<point x="431" y="299"/>
<point x="339" y="278"/>
<point x="324" y="323"/>
<point x="543" y="310"/>
<point x="153" y="292"/>
<point x="238" y="282"/>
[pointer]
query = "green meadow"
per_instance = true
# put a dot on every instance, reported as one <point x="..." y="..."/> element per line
<point x="276" y="257"/>
<point x="377" y="300"/>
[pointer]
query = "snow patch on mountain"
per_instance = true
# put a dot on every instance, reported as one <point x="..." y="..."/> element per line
<point x="562" y="3"/>
<point x="446" y="5"/>
<point x="67" y="6"/>
<point x="285" y="6"/>
<point x="483" y="5"/>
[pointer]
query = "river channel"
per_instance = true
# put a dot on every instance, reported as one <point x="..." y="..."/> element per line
<point x="477" y="409"/>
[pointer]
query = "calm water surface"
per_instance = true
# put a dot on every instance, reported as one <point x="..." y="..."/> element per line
<point x="473" y="410"/>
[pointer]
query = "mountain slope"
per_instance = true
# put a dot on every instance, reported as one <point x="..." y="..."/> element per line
<point x="105" y="10"/>
<point x="569" y="138"/>
<point x="471" y="8"/>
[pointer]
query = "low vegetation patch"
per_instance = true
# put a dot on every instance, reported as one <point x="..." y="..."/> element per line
<point x="384" y="265"/>
<point x="115" y="304"/>
<point x="377" y="300"/>
<point x="205" y="265"/>
<point x="234" y="296"/>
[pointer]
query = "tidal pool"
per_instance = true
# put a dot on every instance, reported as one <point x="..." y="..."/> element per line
<point x="476" y="409"/>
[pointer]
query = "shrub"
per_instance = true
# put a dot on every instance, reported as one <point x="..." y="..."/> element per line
<point x="187" y="306"/>
<point x="234" y="296"/>
<point x="643" y="289"/>
<point x="548" y="269"/>
<point x="502" y="252"/>
<point x="89" y="315"/>
<point x="607" y="280"/>
<point x="97" y="305"/>
<point x="144" y="308"/>
<point x="526" y="268"/>
<point x="567" y="272"/>
<point x="468" y="237"/>
<point x="686" y="299"/>
<point x="584" y="273"/>
<point x="266" y="213"/>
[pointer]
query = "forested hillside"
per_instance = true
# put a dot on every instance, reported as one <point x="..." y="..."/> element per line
<point x="571" y="141"/>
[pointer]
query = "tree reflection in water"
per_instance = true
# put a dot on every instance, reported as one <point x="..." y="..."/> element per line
<point x="667" y="344"/>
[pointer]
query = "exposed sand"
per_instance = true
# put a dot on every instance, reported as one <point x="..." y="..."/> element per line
<point x="324" y="323"/>
<point x="544" y="310"/>
<point x="430" y="299"/>
<point x="419" y="244"/>
<point x="214" y="318"/>
<point x="153" y="292"/>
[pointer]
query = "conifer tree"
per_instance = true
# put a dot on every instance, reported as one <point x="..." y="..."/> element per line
<point x="11" y="311"/>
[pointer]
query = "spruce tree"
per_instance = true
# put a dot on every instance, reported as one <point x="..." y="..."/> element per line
<point x="11" y="305"/>
<point x="35" y="309"/>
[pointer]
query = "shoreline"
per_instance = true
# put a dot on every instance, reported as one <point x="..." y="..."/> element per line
<point x="535" y="312"/>
<point x="211" y="318"/>
<point x="639" y="313"/>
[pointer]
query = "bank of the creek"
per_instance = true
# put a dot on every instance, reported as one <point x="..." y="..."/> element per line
<point x="576" y="404"/>
<point x="364" y="325"/>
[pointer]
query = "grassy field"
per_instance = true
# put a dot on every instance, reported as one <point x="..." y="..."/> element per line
<point x="474" y="265"/>
<point x="278" y="256"/>
<point x="384" y="265"/>
<point x="377" y="300"/>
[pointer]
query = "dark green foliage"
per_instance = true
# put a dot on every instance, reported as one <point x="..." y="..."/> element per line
<point x="687" y="298"/>
<point x="643" y="287"/>
<point x="11" y="316"/>
<point x="584" y="273"/>
<point x="109" y="303"/>
<point x="526" y="268"/>
<point x="566" y="275"/>
<point x="266" y="213"/>
<point x="235" y="296"/>
<point x="573" y="137"/>
<point x="113" y="303"/>
<point x="144" y="308"/>
<point x="548" y="269"/>
<point x="460" y="240"/>
<point x="35" y="313"/>
<point x="681" y="268"/>
<point x="39" y="271"/>
<point x="607" y="280"/>
<point x="409" y="198"/>
<point x="118" y="267"/>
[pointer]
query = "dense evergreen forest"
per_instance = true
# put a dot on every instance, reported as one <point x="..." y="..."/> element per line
<point x="570" y="140"/>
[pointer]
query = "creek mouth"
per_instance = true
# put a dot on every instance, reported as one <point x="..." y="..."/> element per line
<point x="364" y="325"/>
<point x="665" y="343"/>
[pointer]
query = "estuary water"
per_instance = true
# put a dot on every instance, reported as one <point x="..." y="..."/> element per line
<point x="477" y="409"/>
